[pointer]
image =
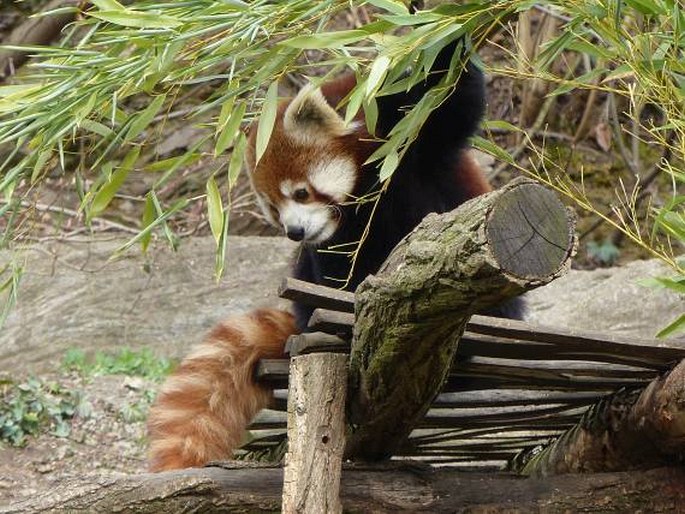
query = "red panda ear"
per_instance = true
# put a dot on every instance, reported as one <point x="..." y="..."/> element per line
<point x="310" y="117"/>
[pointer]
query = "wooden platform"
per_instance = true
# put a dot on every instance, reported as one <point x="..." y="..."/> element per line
<point x="513" y="386"/>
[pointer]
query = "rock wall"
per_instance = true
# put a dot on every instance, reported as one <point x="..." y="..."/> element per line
<point x="73" y="296"/>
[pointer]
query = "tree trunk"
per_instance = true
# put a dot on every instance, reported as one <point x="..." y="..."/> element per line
<point x="390" y="488"/>
<point x="630" y="429"/>
<point x="410" y="316"/>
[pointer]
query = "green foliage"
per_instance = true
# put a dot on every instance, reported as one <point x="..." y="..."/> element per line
<point x="605" y="253"/>
<point x="142" y="363"/>
<point x="93" y="104"/>
<point x="138" y="411"/>
<point x="35" y="406"/>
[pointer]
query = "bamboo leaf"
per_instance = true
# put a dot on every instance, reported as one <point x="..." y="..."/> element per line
<point x="500" y="125"/>
<point x="222" y="244"/>
<point x="336" y="39"/>
<point x="371" y="114"/>
<point x="41" y="161"/>
<point x="390" y="163"/>
<point x="96" y="128"/>
<point x="142" y="120"/>
<point x="236" y="162"/>
<point x="105" y="194"/>
<point x="148" y="219"/>
<point x="215" y="209"/>
<point x="678" y="325"/>
<point x="230" y="130"/>
<point x="108" y="5"/>
<point x="677" y="284"/>
<point x="139" y="19"/>
<point x="491" y="148"/>
<point x="379" y="68"/>
<point x="393" y="6"/>
<point x="267" y="120"/>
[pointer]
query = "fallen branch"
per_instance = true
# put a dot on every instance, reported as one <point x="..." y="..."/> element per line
<point x="389" y="488"/>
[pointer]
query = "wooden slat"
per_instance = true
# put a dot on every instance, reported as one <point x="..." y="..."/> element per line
<point x="316" y="295"/>
<point x="482" y="445"/>
<point x="430" y="435"/>
<point x="548" y="370"/>
<point x="473" y="377"/>
<point x="582" y="343"/>
<point x="313" y="342"/>
<point x="503" y="414"/>
<point x="515" y="397"/>
<point x="458" y="383"/>
<point x="332" y="322"/>
<point x="273" y="373"/>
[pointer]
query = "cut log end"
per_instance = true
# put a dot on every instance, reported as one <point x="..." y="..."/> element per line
<point x="530" y="232"/>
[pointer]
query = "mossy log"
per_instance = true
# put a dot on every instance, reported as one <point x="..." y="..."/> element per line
<point x="410" y="316"/>
<point x="632" y="429"/>
<point x="392" y="488"/>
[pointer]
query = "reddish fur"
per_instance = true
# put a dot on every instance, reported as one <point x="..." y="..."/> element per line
<point x="472" y="181"/>
<point x="202" y="410"/>
<point x="273" y="169"/>
<point x="336" y="90"/>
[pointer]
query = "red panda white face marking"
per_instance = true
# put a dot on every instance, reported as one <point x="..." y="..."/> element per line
<point x="334" y="178"/>
<point x="307" y="169"/>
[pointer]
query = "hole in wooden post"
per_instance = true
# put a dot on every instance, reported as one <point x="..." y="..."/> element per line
<point x="324" y="439"/>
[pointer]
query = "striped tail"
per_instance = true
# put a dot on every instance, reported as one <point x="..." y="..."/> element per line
<point x="203" y="408"/>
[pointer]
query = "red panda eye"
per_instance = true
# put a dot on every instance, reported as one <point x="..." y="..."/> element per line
<point x="300" y="195"/>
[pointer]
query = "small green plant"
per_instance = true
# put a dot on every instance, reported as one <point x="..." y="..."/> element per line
<point x="138" y="411"/>
<point x="142" y="363"/>
<point x="604" y="253"/>
<point x="35" y="406"/>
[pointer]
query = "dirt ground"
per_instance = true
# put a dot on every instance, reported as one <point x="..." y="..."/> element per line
<point x="101" y="443"/>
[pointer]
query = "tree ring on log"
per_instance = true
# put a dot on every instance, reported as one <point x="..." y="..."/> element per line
<point x="528" y="232"/>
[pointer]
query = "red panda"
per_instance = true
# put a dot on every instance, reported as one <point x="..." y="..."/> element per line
<point x="307" y="181"/>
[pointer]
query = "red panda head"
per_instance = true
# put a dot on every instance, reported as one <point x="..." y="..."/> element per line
<point x="310" y="166"/>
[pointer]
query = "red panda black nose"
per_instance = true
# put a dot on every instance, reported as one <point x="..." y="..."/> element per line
<point x="295" y="233"/>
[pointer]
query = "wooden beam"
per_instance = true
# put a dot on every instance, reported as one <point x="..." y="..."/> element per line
<point x="315" y="295"/>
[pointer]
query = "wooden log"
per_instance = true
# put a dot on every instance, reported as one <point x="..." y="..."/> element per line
<point x="631" y="429"/>
<point x="393" y="488"/>
<point x="410" y="316"/>
<point x="316" y="433"/>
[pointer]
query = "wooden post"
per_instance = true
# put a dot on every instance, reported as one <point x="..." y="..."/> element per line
<point x="316" y="433"/>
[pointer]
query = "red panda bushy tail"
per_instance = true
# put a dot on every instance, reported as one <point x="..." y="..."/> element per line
<point x="203" y="408"/>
